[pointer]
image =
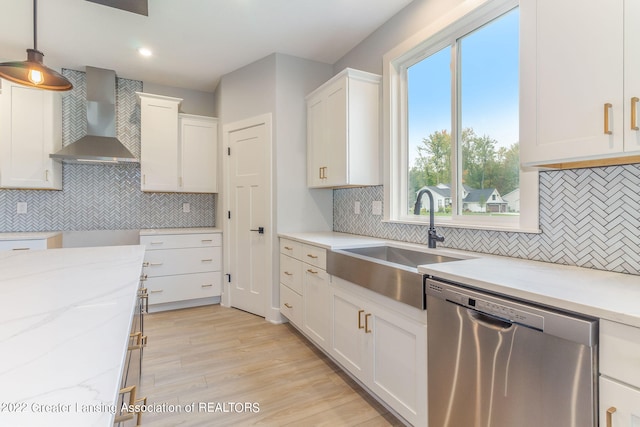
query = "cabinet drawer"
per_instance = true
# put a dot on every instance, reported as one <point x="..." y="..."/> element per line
<point x="291" y="248"/>
<point x="620" y="352"/>
<point x="625" y="400"/>
<point x="314" y="256"/>
<point x="291" y="273"/>
<point x="291" y="305"/>
<point x="182" y="261"/>
<point x="175" y="241"/>
<point x="184" y="287"/>
<point x="17" y="245"/>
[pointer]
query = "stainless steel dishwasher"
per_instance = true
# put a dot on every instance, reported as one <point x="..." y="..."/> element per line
<point x="497" y="362"/>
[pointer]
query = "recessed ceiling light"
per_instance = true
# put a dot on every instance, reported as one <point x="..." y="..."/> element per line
<point x="144" y="51"/>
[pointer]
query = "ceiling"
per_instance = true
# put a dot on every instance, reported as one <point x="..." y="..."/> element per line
<point x="194" y="42"/>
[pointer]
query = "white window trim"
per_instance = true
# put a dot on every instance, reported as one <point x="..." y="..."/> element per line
<point x="465" y="17"/>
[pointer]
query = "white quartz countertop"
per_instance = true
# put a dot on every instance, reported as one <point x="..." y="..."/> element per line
<point x="596" y="293"/>
<point x="165" y="231"/>
<point x="29" y="235"/>
<point x="66" y="316"/>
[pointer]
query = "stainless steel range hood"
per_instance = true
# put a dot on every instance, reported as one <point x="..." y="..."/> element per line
<point x="100" y="145"/>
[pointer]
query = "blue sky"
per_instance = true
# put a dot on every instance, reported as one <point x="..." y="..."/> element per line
<point x="489" y="86"/>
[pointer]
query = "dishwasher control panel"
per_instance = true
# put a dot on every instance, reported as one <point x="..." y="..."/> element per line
<point x="501" y="308"/>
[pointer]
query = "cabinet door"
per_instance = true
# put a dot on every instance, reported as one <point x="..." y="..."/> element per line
<point x="349" y="343"/>
<point x="316" y="128"/>
<point x="316" y="313"/>
<point x="30" y="130"/>
<point x="336" y="156"/>
<point x="573" y="67"/>
<point x="199" y="154"/>
<point x="622" y="401"/>
<point x="632" y="75"/>
<point x="159" y="144"/>
<point x="399" y="365"/>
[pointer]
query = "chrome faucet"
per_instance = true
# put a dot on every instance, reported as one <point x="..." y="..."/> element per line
<point x="433" y="235"/>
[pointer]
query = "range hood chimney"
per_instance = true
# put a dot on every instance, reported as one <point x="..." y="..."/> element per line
<point x="100" y="145"/>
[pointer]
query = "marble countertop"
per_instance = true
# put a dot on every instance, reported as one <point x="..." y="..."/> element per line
<point x="165" y="231"/>
<point x="66" y="316"/>
<point x="29" y="235"/>
<point x="596" y="293"/>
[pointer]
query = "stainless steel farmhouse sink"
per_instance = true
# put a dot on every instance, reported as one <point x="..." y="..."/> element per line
<point x="387" y="270"/>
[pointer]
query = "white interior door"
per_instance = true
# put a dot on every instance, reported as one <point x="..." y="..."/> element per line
<point x="249" y="219"/>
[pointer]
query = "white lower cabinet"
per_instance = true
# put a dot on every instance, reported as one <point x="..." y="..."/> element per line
<point x="384" y="350"/>
<point x="619" y="375"/>
<point x="33" y="243"/>
<point x="380" y="342"/>
<point x="182" y="270"/>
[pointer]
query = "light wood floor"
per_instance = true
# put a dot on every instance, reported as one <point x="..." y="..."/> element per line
<point x="215" y="355"/>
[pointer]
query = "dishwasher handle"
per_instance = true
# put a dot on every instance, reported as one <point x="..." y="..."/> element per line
<point x="489" y="321"/>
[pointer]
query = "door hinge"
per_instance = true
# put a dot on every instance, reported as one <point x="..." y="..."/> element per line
<point x="228" y="277"/>
<point x="228" y="214"/>
<point x="228" y="151"/>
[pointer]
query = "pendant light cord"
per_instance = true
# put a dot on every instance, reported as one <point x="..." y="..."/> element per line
<point x="35" y="25"/>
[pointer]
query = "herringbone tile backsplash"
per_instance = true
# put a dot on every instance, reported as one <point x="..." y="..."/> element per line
<point x="588" y="217"/>
<point x="102" y="197"/>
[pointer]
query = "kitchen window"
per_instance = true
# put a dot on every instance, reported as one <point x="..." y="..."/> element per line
<point x="453" y="121"/>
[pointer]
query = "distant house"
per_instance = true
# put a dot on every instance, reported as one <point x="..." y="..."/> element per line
<point x="473" y="200"/>
<point x="513" y="200"/>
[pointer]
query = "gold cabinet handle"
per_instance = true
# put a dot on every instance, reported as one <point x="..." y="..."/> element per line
<point x="288" y="248"/>
<point x="320" y="173"/>
<point x="125" y="416"/>
<point x="154" y="264"/>
<point x="206" y="241"/>
<point x="607" y="107"/>
<point x="312" y="256"/>
<point x="286" y="304"/>
<point x="634" y="113"/>
<point x="207" y="260"/>
<point x="610" y="412"/>
<point x="288" y="274"/>
<point x="20" y="249"/>
<point x="207" y="286"/>
<point x="156" y="291"/>
<point x="311" y="271"/>
<point x="141" y="341"/>
<point x="360" y="326"/>
<point x="366" y="323"/>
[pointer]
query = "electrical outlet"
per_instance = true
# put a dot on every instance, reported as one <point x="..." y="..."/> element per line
<point x="376" y="207"/>
<point x="186" y="207"/>
<point x="356" y="208"/>
<point x="21" y="208"/>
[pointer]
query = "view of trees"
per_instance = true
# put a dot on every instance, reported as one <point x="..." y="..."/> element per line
<point x="484" y="165"/>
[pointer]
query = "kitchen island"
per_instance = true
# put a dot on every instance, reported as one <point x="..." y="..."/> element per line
<point x="66" y="316"/>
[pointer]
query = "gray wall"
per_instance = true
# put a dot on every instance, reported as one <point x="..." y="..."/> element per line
<point x="193" y="101"/>
<point x="102" y="197"/>
<point x="589" y="217"/>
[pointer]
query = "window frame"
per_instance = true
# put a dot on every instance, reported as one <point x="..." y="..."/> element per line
<point x="444" y="31"/>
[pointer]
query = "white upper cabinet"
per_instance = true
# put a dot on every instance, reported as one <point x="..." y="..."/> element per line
<point x="579" y="74"/>
<point x="178" y="151"/>
<point x="343" y="131"/>
<point x="198" y="153"/>
<point x="30" y="130"/>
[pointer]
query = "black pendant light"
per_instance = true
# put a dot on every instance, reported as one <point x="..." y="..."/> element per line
<point x="33" y="72"/>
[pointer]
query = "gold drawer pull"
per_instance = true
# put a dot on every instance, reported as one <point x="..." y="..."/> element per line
<point x="139" y="340"/>
<point x="154" y="264"/>
<point x="286" y="304"/>
<point x="360" y="326"/>
<point x="312" y="256"/>
<point x="607" y="107"/>
<point x="207" y="286"/>
<point x="288" y="274"/>
<point x="634" y="113"/>
<point x="610" y="412"/>
<point x="311" y="271"/>
<point x="207" y="240"/>
<point x="207" y="260"/>
<point x="20" y="249"/>
<point x="157" y="291"/>
<point x="366" y="323"/>
<point x="156" y="243"/>
<point x="288" y="248"/>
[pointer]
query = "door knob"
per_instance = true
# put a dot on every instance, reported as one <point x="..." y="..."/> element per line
<point x="260" y="230"/>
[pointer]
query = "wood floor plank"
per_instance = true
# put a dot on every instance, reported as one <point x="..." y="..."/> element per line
<point x="209" y="361"/>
